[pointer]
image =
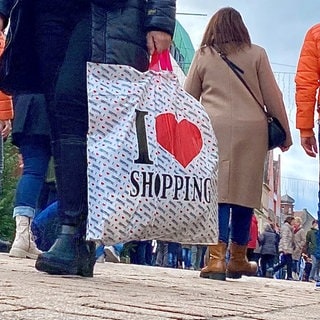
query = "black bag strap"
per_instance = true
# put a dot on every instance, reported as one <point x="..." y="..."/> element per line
<point x="237" y="72"/>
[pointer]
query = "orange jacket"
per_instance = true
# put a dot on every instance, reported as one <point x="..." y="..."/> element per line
<point x="307" y="82"/>
<point x="6" y="110"/>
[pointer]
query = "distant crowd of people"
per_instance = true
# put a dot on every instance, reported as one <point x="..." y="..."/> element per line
<point x="287" y="253"/>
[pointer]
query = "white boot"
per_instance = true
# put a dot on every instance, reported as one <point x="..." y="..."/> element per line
<point x="23" y="245"/>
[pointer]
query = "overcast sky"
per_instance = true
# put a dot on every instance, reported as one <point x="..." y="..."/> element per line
<point x="278" y="26"/>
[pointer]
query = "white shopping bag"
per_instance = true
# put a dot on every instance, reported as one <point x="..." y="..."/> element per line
<point x="152" y="159"/>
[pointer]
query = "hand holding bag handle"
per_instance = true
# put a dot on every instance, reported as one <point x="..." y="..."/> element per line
<point x="276" y="133"/>
<point x="161" y="61"/>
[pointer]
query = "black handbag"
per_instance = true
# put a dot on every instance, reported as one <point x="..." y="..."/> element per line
<point x="276" y="133"/>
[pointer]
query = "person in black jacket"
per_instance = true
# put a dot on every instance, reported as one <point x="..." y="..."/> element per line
<point x="268" y="243"/>
<point x="65" y="35"/>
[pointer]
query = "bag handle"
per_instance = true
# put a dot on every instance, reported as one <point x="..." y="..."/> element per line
<point x="237" y="72"/>
<point x="161" y="61"/>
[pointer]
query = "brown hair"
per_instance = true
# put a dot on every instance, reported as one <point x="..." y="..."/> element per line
<point x="227" y="31"/>
<point x="289" y="219"/>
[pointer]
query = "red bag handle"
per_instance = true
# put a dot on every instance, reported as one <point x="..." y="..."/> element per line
<point x="161" y="61"/>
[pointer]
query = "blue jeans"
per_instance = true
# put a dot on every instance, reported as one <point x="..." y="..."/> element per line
<point x="36" y="154"/>
<point x="186" y="257"/>
<point x="174" y="249"/>
<point x="118" y="248"/>
<point x="162" y="254"/>
<point x="239" y="225"/>
<point x="46" y="227"/>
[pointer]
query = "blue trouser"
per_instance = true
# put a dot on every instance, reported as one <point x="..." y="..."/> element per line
<point x="46" y="227"/>
<point x="239" y="224"/>
<point x="36" y="154"/>
<point x="186" y="257"/>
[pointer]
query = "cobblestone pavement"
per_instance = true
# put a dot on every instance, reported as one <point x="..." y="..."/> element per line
<point x="124" y="291"/>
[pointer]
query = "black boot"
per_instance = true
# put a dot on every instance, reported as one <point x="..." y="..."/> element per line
<point x="87" y="258"/>
<point x="5" y="246"/>
<point x="69" y="255"/>
<point x="62" y="258"/>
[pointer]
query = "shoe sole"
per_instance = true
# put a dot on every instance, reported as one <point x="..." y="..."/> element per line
<point x="57" y="268"/>
<point x="19" y="253"/>
<point x="213" y="276"/>
<point x="238" y="275"/>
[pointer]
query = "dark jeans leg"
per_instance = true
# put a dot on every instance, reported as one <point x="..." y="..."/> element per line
<point x="266" y="261"/>
<point x="289" y="265"/>
<point x="69" y="121"/>
<point x="141" y="252"/>
<point x="286" y="260"/>
<point x="250" y="254"/>
<point x="223" y="219"/>
<point x="240" y="224"/>
<point x="62" y="49"/>
<point x="263" y="264"/>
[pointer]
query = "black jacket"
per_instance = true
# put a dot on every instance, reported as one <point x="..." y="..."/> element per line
<point x="268" y="241"/>
<point x="111" y="42"/>
<point x="30" y="117"/>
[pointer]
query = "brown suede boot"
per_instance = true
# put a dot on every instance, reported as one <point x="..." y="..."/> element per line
<point x="216" y="265"/>
<point x="238" y="264"/>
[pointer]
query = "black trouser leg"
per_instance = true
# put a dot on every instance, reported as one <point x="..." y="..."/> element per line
<point x="68" y="115"/>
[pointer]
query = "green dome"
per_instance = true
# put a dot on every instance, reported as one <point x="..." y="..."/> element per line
<point x="182" y="49"/>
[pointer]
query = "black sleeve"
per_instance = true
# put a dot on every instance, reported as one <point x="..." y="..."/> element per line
<point x="161" y="16"/>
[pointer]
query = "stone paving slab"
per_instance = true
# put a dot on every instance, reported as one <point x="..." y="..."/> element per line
<point x="124" y="291"/>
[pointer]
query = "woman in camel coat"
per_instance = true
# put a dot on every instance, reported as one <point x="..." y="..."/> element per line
<point x="240" y="126"/>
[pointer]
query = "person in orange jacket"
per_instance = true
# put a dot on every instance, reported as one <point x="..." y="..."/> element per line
<point x="6" y="109"/>
<point x="307" y="84"/>
<point x="308" y="100"/>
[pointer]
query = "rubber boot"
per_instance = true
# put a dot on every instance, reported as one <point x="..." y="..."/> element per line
<point x="87" y="258"/>
<point x="238" y="264"/>
<point x="69" y="255"/>
<point x="62" y="258"/>
<point x="5" y="246"/>
<point x="23" y="245"/>
<point x="216" y="266"/>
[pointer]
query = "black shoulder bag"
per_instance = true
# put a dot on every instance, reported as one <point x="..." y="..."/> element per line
<point x="276" y="133"/>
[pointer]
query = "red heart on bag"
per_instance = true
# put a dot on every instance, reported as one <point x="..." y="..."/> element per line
<point x="181" y="139"/>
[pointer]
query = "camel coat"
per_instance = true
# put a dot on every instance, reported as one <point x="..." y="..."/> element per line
<point x="238" y="121"/>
